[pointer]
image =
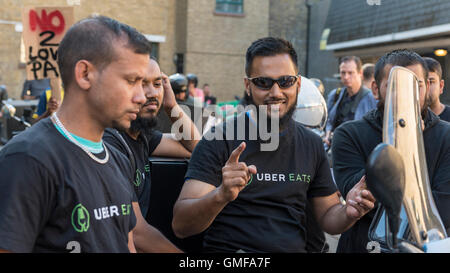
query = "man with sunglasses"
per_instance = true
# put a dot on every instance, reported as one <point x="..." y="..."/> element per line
<point x="249" y="199"/>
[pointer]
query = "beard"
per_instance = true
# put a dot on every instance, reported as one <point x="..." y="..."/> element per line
<point x="423" y="111"/>
<point x="143" y="125"/>
<point x="283" y="121"/>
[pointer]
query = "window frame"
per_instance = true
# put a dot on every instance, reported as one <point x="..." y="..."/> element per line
<point x="230" y="13"/>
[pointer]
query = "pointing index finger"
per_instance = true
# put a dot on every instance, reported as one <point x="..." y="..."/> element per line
<point x="234" y="157"/>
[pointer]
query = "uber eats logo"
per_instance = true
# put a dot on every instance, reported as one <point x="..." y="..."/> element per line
<point x="80" y="218"/>
<point x="280" y="177"/>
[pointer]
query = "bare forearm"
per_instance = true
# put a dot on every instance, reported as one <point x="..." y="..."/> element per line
<point x="193" y="216"/>
<point x="190" y="134"/>
<point x="151" y="240"/>
<point x="336" y="220"/>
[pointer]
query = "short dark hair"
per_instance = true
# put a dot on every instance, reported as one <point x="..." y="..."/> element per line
<point x="93" y="39"/>
<point x="355" y="59"/>
<point x="269" y="46"/>
<point x="368" y="71"/>
<point x="433" y="66"/>
<point x="400" y="57"/>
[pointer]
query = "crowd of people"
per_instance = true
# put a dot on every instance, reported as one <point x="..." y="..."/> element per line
<point x="88" y="179"/>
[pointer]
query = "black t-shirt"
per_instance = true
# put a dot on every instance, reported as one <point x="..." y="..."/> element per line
<point x="55" y="198"/>
<point x="269" y="213"/>
<point x="445" y="115"/>
<point x="210" y="100"/>
<point x="142" y="148"/>
<point x="354" y="141"/>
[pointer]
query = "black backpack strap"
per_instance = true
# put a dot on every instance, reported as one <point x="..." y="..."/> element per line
<point x="336" y="95"/>
<point x="130" y="155"/>
<point x="359" y="97"/>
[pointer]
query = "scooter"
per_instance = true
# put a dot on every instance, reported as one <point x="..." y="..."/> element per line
<point x="396" y="173"/>
<point x="311" y="109"/>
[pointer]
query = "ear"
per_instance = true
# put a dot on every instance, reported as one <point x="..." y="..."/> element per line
<point x="299" y="84"/>
<point x="247" y="86"/>
<point x="375" y="90"/>
<point x="441" y="87"/>
<point x="84" y="74"/>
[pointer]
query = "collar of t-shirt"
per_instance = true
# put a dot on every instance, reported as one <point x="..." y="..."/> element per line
<point x="93" y="147"/>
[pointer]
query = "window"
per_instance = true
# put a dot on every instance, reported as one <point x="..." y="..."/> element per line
<point x="155" y="50"/>
<point x="230" y="6"/>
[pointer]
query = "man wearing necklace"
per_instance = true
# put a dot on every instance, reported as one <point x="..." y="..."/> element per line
<point x="74" y="195"/>
<point x="250" y="199"/>
<point x="140" y="141"/>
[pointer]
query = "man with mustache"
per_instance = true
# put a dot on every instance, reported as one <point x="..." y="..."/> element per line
<point x="140" y="141"/>
<point x="355" y="140"/>
<point x="252" y="200"/>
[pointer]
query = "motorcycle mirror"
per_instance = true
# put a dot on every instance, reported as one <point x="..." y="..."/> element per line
<point x="385" y="178"/>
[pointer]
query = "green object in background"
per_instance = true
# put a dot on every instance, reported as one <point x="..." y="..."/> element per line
<point x="227" y="108"/>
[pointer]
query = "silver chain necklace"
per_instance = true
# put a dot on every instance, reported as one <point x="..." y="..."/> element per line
<point x="56" y="120"/>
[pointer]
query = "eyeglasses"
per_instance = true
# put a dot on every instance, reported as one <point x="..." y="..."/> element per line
<point x="266" y="83"/>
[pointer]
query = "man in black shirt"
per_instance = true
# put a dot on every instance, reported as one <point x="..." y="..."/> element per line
<point x="251" y="199"/>
<point x="61" y="188"/>
<point x="354" y="142"/>
<point x="350" y="102"/>
<point x="33" y="89"/>
<point x="143" y="141"/>
<point x="436" y="89"/>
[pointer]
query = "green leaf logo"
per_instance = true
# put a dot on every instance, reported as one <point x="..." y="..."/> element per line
<point x="138" y="180"/>
<point x="80" y="218"/>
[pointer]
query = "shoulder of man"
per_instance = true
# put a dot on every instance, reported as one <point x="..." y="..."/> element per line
<point x="35" y="140"/>
<point x="355" y="127"/>
<point x="445" y="115"/>
<point x="116" y="139"/>
<point x="306" y="133"/>
<point x="152" y="140"/>
<point x="366" y="92"/>
<point x="332" y="93"/>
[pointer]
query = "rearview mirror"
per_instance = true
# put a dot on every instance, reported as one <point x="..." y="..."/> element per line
<point x="385" y="178"/>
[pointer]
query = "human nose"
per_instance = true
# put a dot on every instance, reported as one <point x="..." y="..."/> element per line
<point x="275" y="91"/>
<point x="150" y="91"/>
<point x="139" y="96"/>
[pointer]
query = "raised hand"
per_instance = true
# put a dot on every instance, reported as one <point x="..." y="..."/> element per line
<point x="169" y="100"/>
<point x="359" y="200"/>
<point x="235" y="175"/>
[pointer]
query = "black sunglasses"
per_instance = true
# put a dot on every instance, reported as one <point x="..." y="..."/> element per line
<point x="266" y="83"/>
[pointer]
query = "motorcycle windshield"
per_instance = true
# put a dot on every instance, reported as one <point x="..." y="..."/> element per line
<point x="402" y="128"/>
<point x="311" y="106"/>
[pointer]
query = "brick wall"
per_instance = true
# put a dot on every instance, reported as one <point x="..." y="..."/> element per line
<point x="155" y="17"/>
<point x="216" y="44"/>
